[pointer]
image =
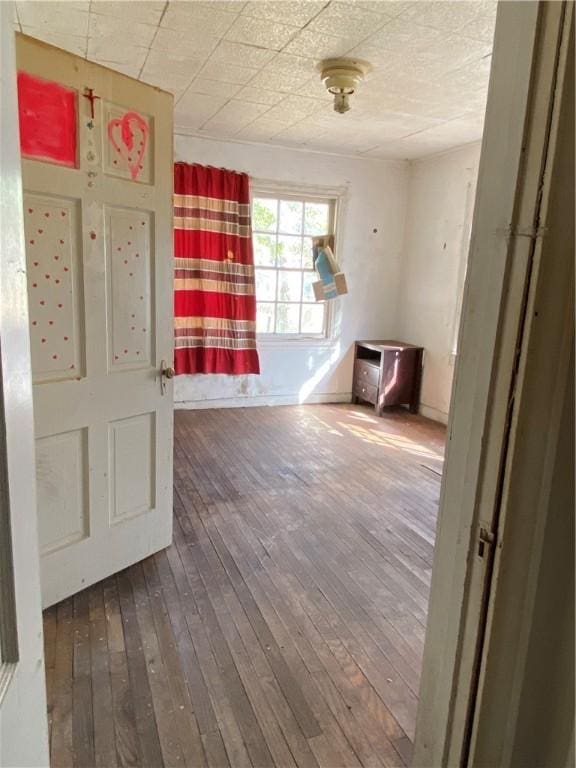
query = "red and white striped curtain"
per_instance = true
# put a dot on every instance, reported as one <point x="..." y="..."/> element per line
<point x="214" y="291"/>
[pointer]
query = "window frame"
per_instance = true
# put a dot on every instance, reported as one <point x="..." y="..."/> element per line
<point x="279" y="191"/>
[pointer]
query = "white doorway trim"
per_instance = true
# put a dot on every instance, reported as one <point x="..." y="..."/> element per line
<point x="528" y="651"/>
<point x="494" y="332"/>
<point x="23" y="720"/>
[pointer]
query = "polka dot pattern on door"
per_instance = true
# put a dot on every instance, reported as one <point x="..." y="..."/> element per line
<point x="51" y="230"/>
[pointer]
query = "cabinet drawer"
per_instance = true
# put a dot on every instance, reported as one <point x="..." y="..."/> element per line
<point x="367" y="373"/>
<point x="365" y="391"/>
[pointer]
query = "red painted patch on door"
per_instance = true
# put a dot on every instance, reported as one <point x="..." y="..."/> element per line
<point x="121" y="132"/>
<point x="47" y="113"/>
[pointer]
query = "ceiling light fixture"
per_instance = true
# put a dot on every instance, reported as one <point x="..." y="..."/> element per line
<point x="341" y="77"/>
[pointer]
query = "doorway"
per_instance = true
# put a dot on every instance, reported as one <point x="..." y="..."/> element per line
<point x="140" y="716"/>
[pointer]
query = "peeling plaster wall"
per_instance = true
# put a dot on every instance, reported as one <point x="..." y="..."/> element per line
<point x="441" y="192"/>
<point x="375" y="199"/>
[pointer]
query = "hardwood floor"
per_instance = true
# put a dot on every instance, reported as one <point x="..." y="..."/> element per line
<point x="285" y="625"/>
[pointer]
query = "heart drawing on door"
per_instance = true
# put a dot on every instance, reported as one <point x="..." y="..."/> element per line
<point x="129" y="136"/>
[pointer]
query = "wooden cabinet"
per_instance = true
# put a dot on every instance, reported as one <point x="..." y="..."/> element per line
<point x="387" y="373"/>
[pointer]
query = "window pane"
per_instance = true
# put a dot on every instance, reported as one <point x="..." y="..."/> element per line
<point x="265" y="284"/>
<point x="316" y="218"/>
<point x="307" y="290"/>
<point x="264" y="318"/>
<point x="289" y="285"/>
<point x="264" y="214"/>
<point x="284" y="275"/>
<point x="289" y="251"/>
<point x="287" y="316"/>
<point x="307" y="261"/>
<point x="312" y="318"/>
<point x="264" y="249"/>
<point x="290" y="217"/>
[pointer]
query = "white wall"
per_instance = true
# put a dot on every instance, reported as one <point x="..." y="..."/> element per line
<point x="405" y="280"/>
<point x="375" y="200"/>
<point x="441" y="192"/>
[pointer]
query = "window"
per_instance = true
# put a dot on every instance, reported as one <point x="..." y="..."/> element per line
<point x="283" y="227"/>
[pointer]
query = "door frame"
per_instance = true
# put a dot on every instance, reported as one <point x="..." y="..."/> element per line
<point x="501" y="334"/>
<point x="528" y="653"/>
<point x="23" y="718"/>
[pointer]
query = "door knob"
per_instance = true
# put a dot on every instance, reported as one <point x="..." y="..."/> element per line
<point x="166" y="372"/>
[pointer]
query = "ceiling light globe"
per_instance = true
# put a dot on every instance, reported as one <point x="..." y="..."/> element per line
<point x="341" y="77"/>
<point x="341" y="103"/>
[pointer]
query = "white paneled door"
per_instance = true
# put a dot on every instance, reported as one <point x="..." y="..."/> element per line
<point x="97" y="176"/>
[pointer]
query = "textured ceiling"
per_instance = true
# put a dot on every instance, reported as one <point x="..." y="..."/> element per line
<point x="246" y="70"/>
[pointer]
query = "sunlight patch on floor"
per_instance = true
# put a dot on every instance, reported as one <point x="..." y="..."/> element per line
<point x="363" y="417"/>
<point x="388" y="440"/>
<point x="313" y="423"/>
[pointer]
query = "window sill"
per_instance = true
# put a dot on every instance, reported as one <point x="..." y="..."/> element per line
<point x="301" y="342"/>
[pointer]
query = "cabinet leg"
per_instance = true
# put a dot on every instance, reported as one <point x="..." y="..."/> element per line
<point x="415" y="401"/>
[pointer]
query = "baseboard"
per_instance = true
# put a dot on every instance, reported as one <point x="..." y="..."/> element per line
<point x="433" y="413"/>
<point x="260" y="400"/>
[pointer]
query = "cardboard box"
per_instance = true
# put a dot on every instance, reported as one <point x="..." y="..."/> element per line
<point x="323" y="291"/>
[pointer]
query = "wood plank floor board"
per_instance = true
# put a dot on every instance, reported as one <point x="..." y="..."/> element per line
<point x="292" y="692"/>
<point x="233" y="620"/>
<point x="409" y="544"/>
<point x="211" y="672"/>
<point x="181" y="609"/>
<point x="344" y="636"/>
<point x="104" y="731"/>
<point x="182" y="708"/>
<point x="298" y="660"/>
<point x="280" y="668"/>
<point x="213" y="682"/>
<point x="377" y="601"/>
<point x="61" y="705"/>
<point x="351" y="623"/>
<point x="348" y="554"/>
<point x="275" y="699"/>
<point x="365" y="515"/>
<point x="126" y="735"/>
<point x="335" y="659"/>
<point x="82" y="716"/>
<point x="385" y="565"/>
<point x="50" y="632"/>
<point x="284" y="627"/>
<point x="150" y="751"/>
<point x="214" y="614"/>
<point x="325" y="750"/>
<point x="310" y="646"/>
<point x="160" y="691"/>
